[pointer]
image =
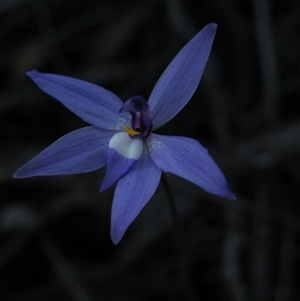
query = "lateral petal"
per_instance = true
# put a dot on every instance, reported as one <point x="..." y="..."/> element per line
<point x="186" y="158"/>
<point x="181" y="78"/>
<point x="94" y="104"/>
<point x="80" y="151"/>
<point x="132" y="193"/>
<point x="122" y="153"/>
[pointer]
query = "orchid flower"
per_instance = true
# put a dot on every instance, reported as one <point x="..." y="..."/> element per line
<point x="120" y="135"/>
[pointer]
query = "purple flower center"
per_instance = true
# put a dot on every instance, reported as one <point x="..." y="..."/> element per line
<point x="141" y="122"/>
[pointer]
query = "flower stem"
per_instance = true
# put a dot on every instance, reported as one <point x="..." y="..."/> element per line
<point x="187" y="287"/>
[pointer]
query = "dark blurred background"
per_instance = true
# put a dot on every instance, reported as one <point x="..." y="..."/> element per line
<point x="55" y="242"/>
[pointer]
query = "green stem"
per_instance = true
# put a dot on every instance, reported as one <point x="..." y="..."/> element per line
<point x="188" y="288"/>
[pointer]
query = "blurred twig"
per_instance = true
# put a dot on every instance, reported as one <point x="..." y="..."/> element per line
<point x="261" y="256"/>
<point x="63" y="270"/>
<point x="265" y="150"/>
<point x="48" y="35"/>
<point x="232" y="257"/>
<point x="267" y="55"/>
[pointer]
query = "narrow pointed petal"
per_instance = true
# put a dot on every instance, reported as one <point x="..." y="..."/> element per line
<point x="186" y="158"/>
<point x="92" y="103"/>
<point x="132" y="193"/>
<point x="122" y="153"/>
<point x="80" y="151"/>
<point x="181" y="78"/>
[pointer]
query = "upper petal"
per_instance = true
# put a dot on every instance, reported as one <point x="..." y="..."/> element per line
<point x="80" y="151"/>
<point x="122" y="153"/>
<point x="92" y="103"/>
<point x="186" y="158"/>
<point x="132" y="193"/>
<point x="179" y="81"/>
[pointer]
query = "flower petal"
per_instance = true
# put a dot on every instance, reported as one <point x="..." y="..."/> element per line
<point x="122" y="153"/>
<point x="181" y="78"/>
<point x="80" y="151"/>
<point x="132" y="193"/>
<point x="92" y="103"/>
<point x="186" y="158"/>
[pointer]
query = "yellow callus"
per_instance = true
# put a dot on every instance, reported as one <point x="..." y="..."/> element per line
<point x="131" y="131"/>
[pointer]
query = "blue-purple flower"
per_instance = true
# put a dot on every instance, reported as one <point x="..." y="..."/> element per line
<point x="120" y="135"/>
